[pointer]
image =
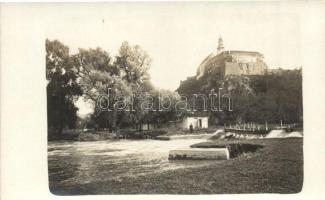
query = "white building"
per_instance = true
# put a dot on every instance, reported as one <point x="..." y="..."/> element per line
<point x="197" y="122"/>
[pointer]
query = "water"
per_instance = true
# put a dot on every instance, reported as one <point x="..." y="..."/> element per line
<point x="85" y="162"/>
<point x="283" y="134"/>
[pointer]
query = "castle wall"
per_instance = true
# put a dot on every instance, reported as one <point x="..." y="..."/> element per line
<point x="232" y="68"/>
<point x="244" y="58"/>
<point x="233" y="63"/>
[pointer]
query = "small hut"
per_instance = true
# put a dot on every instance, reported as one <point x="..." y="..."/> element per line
<point x="196" y="121"/>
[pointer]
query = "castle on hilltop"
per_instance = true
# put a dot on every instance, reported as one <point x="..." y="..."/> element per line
<point x="230" y="62"/>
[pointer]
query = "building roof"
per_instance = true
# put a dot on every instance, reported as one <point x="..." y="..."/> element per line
<point x="211" y="55"/>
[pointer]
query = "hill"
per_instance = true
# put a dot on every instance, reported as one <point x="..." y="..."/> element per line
<point x="271" y="97"/>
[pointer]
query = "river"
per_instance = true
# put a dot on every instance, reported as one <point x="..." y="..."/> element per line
<point x="86" y="162"/>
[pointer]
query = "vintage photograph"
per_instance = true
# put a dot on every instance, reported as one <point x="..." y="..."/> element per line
<point x="174" y="98"/>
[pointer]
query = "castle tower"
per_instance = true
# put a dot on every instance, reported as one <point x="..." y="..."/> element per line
<point x="220" y="45"/>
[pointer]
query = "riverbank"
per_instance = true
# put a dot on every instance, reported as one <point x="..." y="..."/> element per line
<point x="99" y="135"/>
<point x="275" y="168"/>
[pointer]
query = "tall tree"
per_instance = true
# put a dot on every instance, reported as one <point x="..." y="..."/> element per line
<point x="134" y="64"/>
<point x="97" y="75"/>
<point x="62" y="87"/>
<point x="127" y="75"/>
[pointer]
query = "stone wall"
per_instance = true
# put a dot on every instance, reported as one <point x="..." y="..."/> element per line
<point x="258" y="68"/>
<point x="233" y="63"/>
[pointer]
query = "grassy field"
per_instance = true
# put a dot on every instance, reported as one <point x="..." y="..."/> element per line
<point x="275" y="168"/>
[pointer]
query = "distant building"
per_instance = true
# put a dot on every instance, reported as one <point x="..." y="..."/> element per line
<point x="197" y="122"/>
<point x="232" y="62"/>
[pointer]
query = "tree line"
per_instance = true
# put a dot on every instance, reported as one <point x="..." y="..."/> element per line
<point x="268" y="98"/>
<point x="88" y="74"/>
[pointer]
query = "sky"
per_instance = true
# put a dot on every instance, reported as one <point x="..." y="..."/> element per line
<point x="178" y="36"/>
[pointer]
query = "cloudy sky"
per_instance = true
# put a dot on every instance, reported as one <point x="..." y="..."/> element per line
<point x="178" y="36"/>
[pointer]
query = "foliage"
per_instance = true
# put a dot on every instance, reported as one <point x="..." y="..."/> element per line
<point x="62" y="87"/>
<point x="271" y="98"/>
<point x="127" y="75"/>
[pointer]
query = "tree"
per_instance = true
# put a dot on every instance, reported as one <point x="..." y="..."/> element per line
<point x="134" y="64"/>
<point x="96" y="75"/>
<point x="168" y="110"/>
<point x="62" y="88"/>
<point x="128" y="74"/>
<point x="271" y="97"/>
